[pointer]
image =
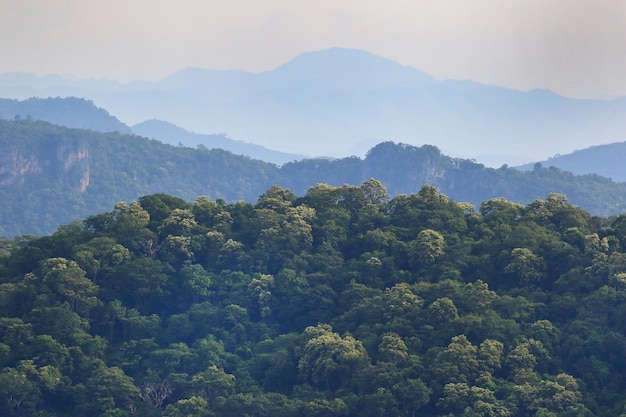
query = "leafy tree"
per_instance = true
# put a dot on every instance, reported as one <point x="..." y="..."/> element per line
<point x="525" y="266"/>
<point x="213" y="383"/>
<point x="329" y="357"/>
<point x="19" y="389"/>
<point x="428" y="246"/>
<point x="109" y="388"/>
<point x="68" y="280"/>
<point x="188" y="407"/>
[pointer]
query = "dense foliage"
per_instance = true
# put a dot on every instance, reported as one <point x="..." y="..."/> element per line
<point x="51" y="175"/>
<point x="343" y="302"/>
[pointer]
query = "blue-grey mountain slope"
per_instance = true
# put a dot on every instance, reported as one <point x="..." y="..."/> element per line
<point x="174" y="135"/>
<point x="69" y="112"/>
<point x="606" y="160"/>
<point x="337" y="102"/>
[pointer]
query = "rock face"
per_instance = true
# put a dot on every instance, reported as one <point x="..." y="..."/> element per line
<point x="62" y="160"/>
<point x="15" y="166"/>
<point x="75" y="160"/>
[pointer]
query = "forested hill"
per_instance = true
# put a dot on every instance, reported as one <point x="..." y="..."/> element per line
<point x="175" y="135"/>
<point x="50" y="175"/>
<point x="341" y="303"/>
<point x="606" y="160"/>
<point x="405" y="168"/>
<point x="70" y="112"/>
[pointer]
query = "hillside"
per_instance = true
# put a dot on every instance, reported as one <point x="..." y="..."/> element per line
<point x="330" y="103"/>
<point x="83" y="114"/>
<point x="606" y="160"/>
<point x="69" y="112"/>
<point x="50" y="175"/>
<point x="174" y="135"/>
<point x="344" y="302"/>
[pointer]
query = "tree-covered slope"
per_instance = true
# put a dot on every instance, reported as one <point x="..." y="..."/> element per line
<point x="606" y="160"/>
<point x="71" y="112"/>
<point x="343" y="302"/>
<point x="405" y="168"/>
<point x="50" y="175"/>
<point x="175" y="135"/>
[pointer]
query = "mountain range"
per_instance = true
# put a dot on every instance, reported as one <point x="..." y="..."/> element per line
<point x="51" y="175"/>
<point x="175" y="135"/>
<point x="606" y="160"/>
<point x="70" y="112"/>
<point x="80" y="113"/>
<point x="340" y="102"/>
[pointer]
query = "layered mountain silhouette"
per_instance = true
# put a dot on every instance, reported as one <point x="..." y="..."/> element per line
<point x="83" y="114"/>
<point x="338" y="102"/>
<point x="606" y="160"/>
<point x="174" y="135"/>
<point x="70" y="112"/>
<point x="50" y="175"/>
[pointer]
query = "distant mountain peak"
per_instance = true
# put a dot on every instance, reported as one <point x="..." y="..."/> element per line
<point x="350" y="65"/>
<point x="337" y="56"/>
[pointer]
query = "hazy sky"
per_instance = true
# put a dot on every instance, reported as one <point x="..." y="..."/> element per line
<point x="574" y="47"/>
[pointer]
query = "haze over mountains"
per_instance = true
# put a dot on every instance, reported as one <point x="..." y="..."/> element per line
<point x="174" y="135"/>
<point x="340" y="102"/>
<point x="70" y="112"/>
<point x="606" y="160"/>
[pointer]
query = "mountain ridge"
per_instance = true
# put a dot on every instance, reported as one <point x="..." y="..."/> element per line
<point x="80" y="113"/>
<point x="326" y="116"/>
<point x="71" y="112"/>
<point x="175" y="135"/>
<point x="606" y="160"/>
<point x="66" y="174"/>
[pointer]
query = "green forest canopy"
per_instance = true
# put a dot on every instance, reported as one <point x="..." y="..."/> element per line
<point x="343" y="302"/>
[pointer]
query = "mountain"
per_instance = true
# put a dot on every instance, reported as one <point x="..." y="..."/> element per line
<point x="51" y="175"/>
<point x="332" y="102"/>
<point x="606" y="160"/>
<point x="81" y="113"/>
<point x="70" y="112"/>
<point x="175" y="135"/>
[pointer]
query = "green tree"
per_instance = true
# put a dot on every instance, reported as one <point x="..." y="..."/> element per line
<point x="20" y="390"/>
<point x="428" y="247"/>
<point x="213" y="383"/>
<point x="329" y="357"/>
<point x="526" y="267"/>
<point x="458" y="362"/>
<point x="100" y="256"/>
<point x="189" y="407"/>
<point x="107" y="389"/>
<point x="392" y="348"/>
<point x="68" y="280"/>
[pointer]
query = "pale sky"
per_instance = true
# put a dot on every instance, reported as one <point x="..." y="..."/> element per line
<point x="574" y="47"/>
